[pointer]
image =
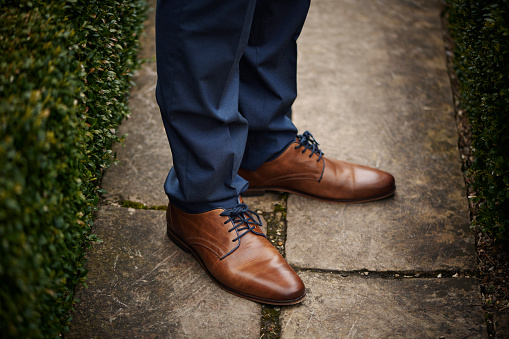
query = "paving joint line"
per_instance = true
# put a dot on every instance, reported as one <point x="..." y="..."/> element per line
<point x="270" y="325"/>
<point x="394" y="274"/>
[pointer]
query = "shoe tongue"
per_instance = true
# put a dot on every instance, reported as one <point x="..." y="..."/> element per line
<point x="241" y="201"/>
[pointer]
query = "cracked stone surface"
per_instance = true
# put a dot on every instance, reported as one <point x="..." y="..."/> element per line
<point x="355" y="307"/>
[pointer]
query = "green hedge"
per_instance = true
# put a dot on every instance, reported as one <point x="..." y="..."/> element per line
<point x="480" y="30"/>
<point x="65" y="71"/>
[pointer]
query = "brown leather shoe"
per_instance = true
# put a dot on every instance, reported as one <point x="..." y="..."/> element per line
<point x="302" y="169"/>
<point x="234" y="252"/>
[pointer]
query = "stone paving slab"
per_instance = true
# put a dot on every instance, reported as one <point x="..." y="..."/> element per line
<point x="355" y="307"/>
<point x="383" y="236"/>
<point x="374" y="90"/>
<point x="141" y="285"/>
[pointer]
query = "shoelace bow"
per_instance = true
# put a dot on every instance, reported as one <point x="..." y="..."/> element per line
<point x="243" y="219"/>
<point x="307" y="141"/>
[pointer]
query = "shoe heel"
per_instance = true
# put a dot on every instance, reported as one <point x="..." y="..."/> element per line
<point x="253" y="192"/>
<point x="177" y="241"/>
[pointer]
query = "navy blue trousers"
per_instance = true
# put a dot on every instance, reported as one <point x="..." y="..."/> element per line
<point x="226" y="83"/>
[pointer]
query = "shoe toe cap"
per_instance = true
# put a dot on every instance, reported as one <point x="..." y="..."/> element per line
<point x="270" y="280"/>
<point x="370" y="182"/>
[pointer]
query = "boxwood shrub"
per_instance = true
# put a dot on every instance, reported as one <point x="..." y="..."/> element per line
<point x="65" y="71"/>
<point x="480" y="29"/>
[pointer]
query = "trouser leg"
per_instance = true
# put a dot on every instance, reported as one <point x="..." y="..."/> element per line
<point x="268" y="78"/>
<point x="199" y="47"/>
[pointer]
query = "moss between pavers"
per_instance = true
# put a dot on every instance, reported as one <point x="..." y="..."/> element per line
<point x="270" y="326"/>
<point x="140" y="206"/>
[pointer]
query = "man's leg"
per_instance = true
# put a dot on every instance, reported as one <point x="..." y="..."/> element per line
<point x="275" y="157"/>
<point x="268" y="78"/>
<point x="199" y="46"/>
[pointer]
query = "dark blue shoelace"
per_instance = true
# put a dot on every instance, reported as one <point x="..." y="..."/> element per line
<point x="244" y="221"/>
<point x="307" y="141"/>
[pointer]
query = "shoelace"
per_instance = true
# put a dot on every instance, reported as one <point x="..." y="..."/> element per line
<point x="307" y="141"/>
<point x="243" y="219"/>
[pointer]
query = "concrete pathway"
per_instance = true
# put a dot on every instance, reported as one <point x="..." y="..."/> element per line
<point x="373" y="89"/>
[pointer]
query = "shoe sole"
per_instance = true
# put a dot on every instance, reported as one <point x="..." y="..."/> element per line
<point x="256" y="192"/>
<point x="183" y="246"/>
